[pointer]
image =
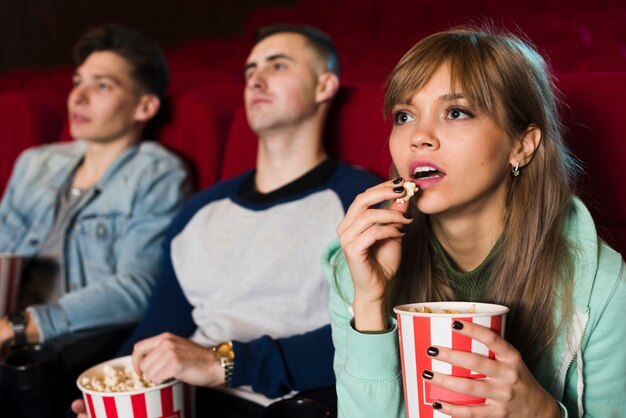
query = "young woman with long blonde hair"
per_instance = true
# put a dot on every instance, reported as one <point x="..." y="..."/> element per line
<point x="477" y="129"/>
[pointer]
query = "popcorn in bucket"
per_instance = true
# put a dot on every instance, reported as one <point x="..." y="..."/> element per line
<point x="11" y="267"/>
<point x="422" y="325"/>
<point x="112" y="389"/>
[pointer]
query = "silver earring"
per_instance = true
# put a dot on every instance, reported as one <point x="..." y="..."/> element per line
<point x="515" y="170"/>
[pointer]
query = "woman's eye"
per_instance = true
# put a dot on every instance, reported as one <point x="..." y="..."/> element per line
<point x="458" y="114"/>
<point x="400" y="118"/>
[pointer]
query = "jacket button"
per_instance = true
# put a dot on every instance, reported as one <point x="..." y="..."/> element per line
<point x="101" y="230"/>
<point x="33" y="241"/>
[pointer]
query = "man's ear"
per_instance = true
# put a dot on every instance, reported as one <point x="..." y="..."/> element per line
<point x="525" y="146"/>
<point x="147" y="107"/>
<point x="327" y="86"/>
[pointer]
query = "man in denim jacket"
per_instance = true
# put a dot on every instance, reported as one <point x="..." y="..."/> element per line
<point x="91" y="214"/>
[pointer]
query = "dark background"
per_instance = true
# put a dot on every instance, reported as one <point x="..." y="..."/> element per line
<point x="40" y="33"/>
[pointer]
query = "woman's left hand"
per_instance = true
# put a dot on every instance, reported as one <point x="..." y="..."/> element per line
<point x="509" y="387"/>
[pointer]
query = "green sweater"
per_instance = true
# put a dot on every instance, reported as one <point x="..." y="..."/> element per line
<point x="467" y="286"/>
<point x="586" y="372"/>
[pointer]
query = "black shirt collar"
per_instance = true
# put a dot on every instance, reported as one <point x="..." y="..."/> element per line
<point x="315" y="177"/>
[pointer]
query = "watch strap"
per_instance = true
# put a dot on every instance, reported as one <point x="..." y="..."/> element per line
<point x="228" y="364"/>
<point x="18" y="324"/>
<point x="226" y="355"/>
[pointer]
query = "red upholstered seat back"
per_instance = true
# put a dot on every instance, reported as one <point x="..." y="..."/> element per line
<point x="241" y="147"/>
<point x="357" y="132"/>
<point x="596" y="124"/>
<point x="189" y="127"/>
<point x="28" y="118"/>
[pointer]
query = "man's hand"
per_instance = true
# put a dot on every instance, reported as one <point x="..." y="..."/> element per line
<point x="168" y="356"/>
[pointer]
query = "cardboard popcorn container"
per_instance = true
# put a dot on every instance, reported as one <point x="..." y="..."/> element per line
<point x="172" y="399"/>
<point x="419" y="330"/>
<point x="11" y="267"/>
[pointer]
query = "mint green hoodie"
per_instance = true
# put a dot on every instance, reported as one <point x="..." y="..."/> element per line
<point x="368" y="370"/>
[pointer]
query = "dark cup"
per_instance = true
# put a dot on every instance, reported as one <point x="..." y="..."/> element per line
<point x="30" y="377"/>
<point x="31" y="366"/>
<point x="296" y="407"/>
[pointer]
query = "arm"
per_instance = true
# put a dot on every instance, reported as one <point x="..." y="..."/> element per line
<point x="367" y="366"/>
<point x="13" y="225"/>
<point x="122" y="296"/>
<point x="604" y="358"/>
<point x="274" y="367"/>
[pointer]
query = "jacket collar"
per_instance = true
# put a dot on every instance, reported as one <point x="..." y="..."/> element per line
<point x="72" y="156"/>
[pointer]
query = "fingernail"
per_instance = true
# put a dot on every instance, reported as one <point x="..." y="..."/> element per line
<point x="398" y="189"/>
<point x="432" y="351"/>
<point x="398" y="180"/>
<point x="457" y="325"/>
<point x="401" y="229"/>
<point x="436" y="405"/>
<point x="407" y="215"/>
<point x="427" y="374"/>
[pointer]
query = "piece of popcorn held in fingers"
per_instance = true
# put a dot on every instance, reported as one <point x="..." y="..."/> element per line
<point x="410" y="188"/>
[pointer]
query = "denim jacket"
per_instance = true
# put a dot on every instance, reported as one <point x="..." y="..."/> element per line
<point x="112" y="246"/>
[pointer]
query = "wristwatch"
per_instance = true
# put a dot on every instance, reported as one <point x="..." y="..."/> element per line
<point x="18" y="323"/>
<point x="226" y="355"/>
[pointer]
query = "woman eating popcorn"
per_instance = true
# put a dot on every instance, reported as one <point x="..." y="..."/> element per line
<point x="494" y="219"/>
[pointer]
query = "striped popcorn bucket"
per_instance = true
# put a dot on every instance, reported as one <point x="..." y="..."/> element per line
<point x="420" y="330"/>
<point x="11" y="267"/>
<point x="173" y="399"/>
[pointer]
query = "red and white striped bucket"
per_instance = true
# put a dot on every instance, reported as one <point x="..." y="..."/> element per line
<point x="419" y="330"/>
<point x="173" y="399"/>
<point x="11" y="267"/>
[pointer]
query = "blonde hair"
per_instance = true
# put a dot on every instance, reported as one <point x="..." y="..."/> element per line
<point x="505" y="76"/>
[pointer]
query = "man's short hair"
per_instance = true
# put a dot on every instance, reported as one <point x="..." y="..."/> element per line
<point x="149" y="68"/>
<point x="320" y="41"/>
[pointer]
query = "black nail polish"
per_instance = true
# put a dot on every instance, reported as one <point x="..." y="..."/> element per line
<point x="398" y="189"/>
<point x="432" y="351"/>
<point x="436" y="405"/>
<point x="398" y="180"/>
<point x="427" y="374"/>
<point x="457" y="325"/>
<point x="401" y="229"/>
<point x="407" y="215"/>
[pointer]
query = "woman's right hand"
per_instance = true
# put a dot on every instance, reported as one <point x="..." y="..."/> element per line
<point x="371" y="240"/>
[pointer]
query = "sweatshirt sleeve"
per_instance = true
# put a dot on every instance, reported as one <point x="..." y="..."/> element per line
<point x="275" y="367"/>
<point x="604" y="358"/>
<point x="367" y="366"/>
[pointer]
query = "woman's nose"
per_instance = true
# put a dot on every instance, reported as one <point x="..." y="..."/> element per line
<point x="424" y="137"/>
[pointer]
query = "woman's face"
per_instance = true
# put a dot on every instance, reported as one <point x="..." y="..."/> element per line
<point x="457" y="154"/>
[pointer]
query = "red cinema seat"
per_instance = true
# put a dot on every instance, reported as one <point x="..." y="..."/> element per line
<point x="596" y="136"/>
<point x="224" y="98"/>
<point x="608" y="55"/>
<point x="28" y="118"/>
<point x="240" y="148"/>
<point x="357" y="133"/>
<point x="189" y="127"/>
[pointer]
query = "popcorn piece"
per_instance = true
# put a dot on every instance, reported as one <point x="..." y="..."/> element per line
<point x="426" y="309"/>
<point x="116" y="379"/>
<point x="410" y="188"/>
